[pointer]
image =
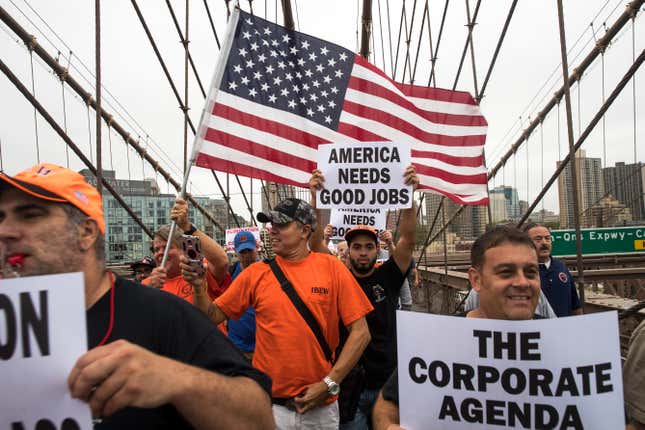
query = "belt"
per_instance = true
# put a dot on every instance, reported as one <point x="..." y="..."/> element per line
<point x="286" y="402"/>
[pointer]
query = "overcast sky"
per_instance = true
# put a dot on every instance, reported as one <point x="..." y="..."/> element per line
<point x="520" y="85"/>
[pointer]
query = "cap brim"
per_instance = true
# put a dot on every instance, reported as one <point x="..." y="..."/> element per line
<point x="34" y="190"/>
<point x="350" y="234"/>
<point x="241" y="247"/>
<point x="273" y="217"/>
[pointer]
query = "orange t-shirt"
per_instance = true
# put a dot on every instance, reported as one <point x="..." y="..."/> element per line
<point x="285" y="347"/>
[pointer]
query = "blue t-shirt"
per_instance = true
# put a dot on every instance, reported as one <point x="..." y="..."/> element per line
<point x="242" y="331"/>
<point x="559" y="288"/>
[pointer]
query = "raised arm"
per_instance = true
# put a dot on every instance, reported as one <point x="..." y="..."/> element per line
<point x="317" y="238"/>
<point x="215" y="254"/>
<point x="407" y="226"/>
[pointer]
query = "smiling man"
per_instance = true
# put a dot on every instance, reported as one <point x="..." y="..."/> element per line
<point x="504" y="271"/>
<point x="305" y="382"/>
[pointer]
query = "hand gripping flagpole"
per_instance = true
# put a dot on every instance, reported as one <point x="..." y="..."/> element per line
<point x="208" y="108"/>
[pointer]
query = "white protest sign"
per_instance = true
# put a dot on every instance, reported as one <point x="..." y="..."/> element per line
<point x="42" y="334"/>
<point x="231" y="232"/>
<point x="344" y="219"/>
<point x="365" y="174"/>
<point x="472" y="373"/>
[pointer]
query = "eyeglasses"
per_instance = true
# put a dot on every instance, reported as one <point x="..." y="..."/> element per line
<point x="542" y="238"/>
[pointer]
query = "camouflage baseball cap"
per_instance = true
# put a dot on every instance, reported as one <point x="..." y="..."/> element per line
<point x="290" y="210"/>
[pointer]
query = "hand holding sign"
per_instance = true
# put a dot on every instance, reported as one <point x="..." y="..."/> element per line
<point x="121" y="374"/>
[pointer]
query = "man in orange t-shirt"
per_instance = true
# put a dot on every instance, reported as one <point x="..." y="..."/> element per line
<point x="169" y="278"/>
<point x="305" y="384"/>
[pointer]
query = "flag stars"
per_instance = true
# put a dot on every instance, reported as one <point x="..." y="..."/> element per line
<point x="290" y="63"/>
<point x="237" y="68"/>
<point x="243" y="52"/>
<point x="250" y="64"/>
<point x="246" y="35"/>
<point x="262" y="58"/>
<point x="312" y="56"/>
<point x="320" y="68"/>
<point x="293" y="50"/>
<point x="324" y="93"/>
<point x="272" y="98"/>
<point x="283" y="53"/>
<point x="308" y="73"/>
<point x="253" y="92"/>
<point x="267" y="31"/>
<point x="334" y="90"/>
<point x="273" y="53"/>
<point x="264" y="87"/>
<point x="328" y="119"/>
<point x="331" y="62"/>
<point x="315" y="83"/>
<point x="305" y="87"/>
<point x="232" y="86"/>
<point x="301" y="62"/>
<point x="274" y="43"/>
<point x="292" y="104"/>
<point x="286" y="38"/>
<point x="313" y="97"/>
<point x="303" y="101"/>
<point x="310" y="112"/>
<point x="331" y="104"/>
<point x="342" y="56"/>
<point x="338" y="73"/>
<point x="245" y="80"/>
<point x="249" y="22"/>
<point x="305" y="44"/>
<point x="327" y="79"/>
<point x="257" y="76"/>
<point x="284" y="92"/>
<point x="269" y="69"/>
<point x="298" y="75"/>
<point x="324" y="50"/>
<point x="295" y="89"/>
<point x="254" y="46"/>
<point x="277" y="80"/>
<point x="321" y="108"/>
<point x="264" y="42"/>
<point x="288" y="77"/>
<point x="281" y="65"/>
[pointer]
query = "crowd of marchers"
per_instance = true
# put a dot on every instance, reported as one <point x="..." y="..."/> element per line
<point x="304" y="340"/>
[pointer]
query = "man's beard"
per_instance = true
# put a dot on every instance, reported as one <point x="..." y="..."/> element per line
<point x="362" y="269"/>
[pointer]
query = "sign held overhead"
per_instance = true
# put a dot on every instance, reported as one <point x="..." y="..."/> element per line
<point x="365" y="175"/>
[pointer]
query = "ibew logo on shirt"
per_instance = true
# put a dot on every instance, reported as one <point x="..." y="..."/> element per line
<point x="320" y="290"/>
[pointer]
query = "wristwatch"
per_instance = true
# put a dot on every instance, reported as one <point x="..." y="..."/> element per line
<point x="332" y="386"/>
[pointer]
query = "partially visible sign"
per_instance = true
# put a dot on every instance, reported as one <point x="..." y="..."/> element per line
<point x="614" y="240"/>
<point x="364" y="175"/>
<point x="473" y="373"/>
<point x="42" y="334"/>
<point x="344" y="219"/>
<point x="231" y="232"/>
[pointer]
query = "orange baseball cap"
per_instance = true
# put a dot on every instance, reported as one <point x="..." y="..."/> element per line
<point x="59" y="184"/>
<point x="364" y="229"/>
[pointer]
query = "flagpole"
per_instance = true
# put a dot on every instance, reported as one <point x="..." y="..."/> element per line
<point x="208" y="108"/>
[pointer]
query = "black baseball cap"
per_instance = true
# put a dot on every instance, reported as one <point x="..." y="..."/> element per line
<point x="290" y="210"/>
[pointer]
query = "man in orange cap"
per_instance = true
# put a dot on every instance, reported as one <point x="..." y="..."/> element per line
<point x="144" y="369"/>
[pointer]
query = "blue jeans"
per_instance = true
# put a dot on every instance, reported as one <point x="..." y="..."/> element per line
<point x="363" y="418"/>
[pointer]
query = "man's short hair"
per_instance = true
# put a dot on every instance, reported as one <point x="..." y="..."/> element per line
<point x="495" y="237"/>
<point x="164" y="231"/>
<point x="532" y="225"/>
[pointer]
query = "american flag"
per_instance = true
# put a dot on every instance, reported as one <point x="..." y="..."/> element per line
<point x="278" y="94"/>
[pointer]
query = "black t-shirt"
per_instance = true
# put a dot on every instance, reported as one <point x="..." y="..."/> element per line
<point x="168" y="326"/>
<point x="382" y="288"/>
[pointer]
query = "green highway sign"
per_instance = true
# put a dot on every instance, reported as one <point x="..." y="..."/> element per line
<point x="612" y="240"/>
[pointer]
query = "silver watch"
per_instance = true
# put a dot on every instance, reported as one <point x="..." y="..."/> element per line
<point x="332" y="386"/>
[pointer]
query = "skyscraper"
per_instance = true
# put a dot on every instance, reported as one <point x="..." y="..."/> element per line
<point x="470" y="224"/>
<point x="626" y="182"/>
<point x="506" y="195"/>
<point x="590" y="188"/>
